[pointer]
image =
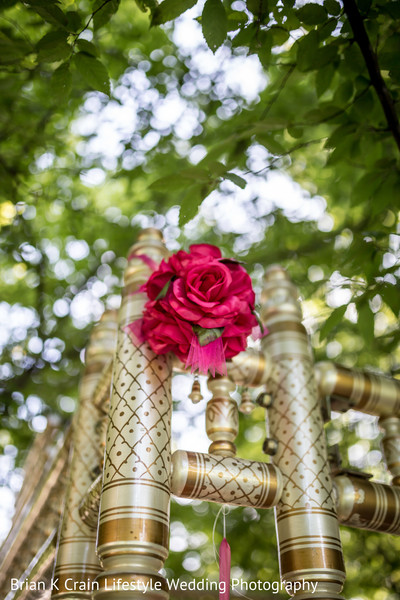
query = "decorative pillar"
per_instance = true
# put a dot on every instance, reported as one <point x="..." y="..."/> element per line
<point x="134" y="509"/>
<point x="76" y="560"/>
<point x="391" y="446"/>
<point x="307" y="525"/>
<point x="222" y="417"/>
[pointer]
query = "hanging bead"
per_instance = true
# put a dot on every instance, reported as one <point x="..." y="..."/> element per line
<point x="195" y="395"/>
<point x="246" y="404"/>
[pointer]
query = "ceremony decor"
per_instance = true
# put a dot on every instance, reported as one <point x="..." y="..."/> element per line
<point x="200" y="307"/>
<point x="113" y="533"/>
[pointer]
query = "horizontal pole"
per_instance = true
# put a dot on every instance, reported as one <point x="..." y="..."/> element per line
<point x="367" y="504"/>
<point x="370" y="393"/>
<point x="225" y="480"/>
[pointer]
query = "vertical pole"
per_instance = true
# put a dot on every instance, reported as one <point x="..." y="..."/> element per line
<point x="307" y="525"/>
<point x="134" y="510"/>
<point x="76" y="561"/>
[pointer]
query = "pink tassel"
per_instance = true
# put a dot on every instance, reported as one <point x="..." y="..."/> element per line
<point x="207" y="358"/>
<point x="224" y="570"/>
<point x="134" y="330"/>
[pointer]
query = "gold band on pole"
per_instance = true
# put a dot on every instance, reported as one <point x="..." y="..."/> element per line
<point x="367" y="505"/>
<point x="134" y="510"/>
<point x="225" y="480"/>
<point x="76" y="560"/>
<point x="250" y="368"/>
<point x="307" y="525"/>
<point x="370" y="393"/>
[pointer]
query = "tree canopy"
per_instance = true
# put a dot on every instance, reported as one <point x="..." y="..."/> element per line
<point x="120" y="114"/>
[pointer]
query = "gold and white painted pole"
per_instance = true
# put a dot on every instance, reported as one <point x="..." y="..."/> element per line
<point x="134" y="510"/>
<point x="367" y="504"/>
<point x="76" y="563"/>
<point x="225" y="480"/>
<point x="307" y="525"/>
<point x="370" y="393"/>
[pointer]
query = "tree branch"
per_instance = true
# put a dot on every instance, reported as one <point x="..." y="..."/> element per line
<point x="371" y="60"/>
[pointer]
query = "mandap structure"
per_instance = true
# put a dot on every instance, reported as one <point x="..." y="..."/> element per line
<point x="100" y="513"/>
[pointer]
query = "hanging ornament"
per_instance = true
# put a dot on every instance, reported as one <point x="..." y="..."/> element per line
<point x="246" y="404"/>
<point x="195" y="395"/>
<point x="224" y="564"/>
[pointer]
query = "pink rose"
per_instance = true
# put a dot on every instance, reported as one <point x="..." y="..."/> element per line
<point x="165" y="332"/>
<point x="195" y="291"/>
<point x="176" y="265"/>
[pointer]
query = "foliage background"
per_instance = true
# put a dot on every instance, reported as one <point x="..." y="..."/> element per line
<point x="93" y="147"/>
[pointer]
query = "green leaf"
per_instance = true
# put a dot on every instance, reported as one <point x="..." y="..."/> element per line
<point x="333" y="7"/>
<point x="353" y="59"/>
<point x="61" y="82"/>
<point x="74" y="21"/>
<point x="332" y="321"/>
<point x="145" y="5"/>
<point x="280" y="34"/>
<point x="392" y="9"/>
<point x="366" y="186"/>
<point x="391" y="296"/>
<point x="340" y="134"/>
<point x="366" y="321"/>
<point x="53" y="46"/>
<point x="236" y="19"/>
<point x="49" y="11"/>
<point x="245" y="36"/>
<point x="323" y="79"/>
<point x="264" y="45"/>
<point x="312" y="14"/>
<point x="162" y="293"/>
<point x="206" y="336"/>
<point x="325" y="29"/>
<point x="87" y="47"/>
<point x="11" y="51"/>
<point x="214" y="24"/>
<point x="7" y="4"/>
<point x="239" y="181"/>
<point x="93" y="72"/>
<point x="190" y="203"/>
<point x="344" y="93"/>
<point x="170" y="9"/>
<point x="271" y="144"/>
<point x="312" y="56"/>
<point x="102" y="12"/>
<point x="307" y="46"/>
<point x="181" y="180"/>
<point x="259" y="8"/>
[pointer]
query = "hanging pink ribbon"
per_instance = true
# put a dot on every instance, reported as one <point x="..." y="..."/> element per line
<point x="208" y="358"/>
<point x="134" y="330"/>
<point x="224" y="570"/>
<point x="257" y="334"/>
<point x="146" y="259"/>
